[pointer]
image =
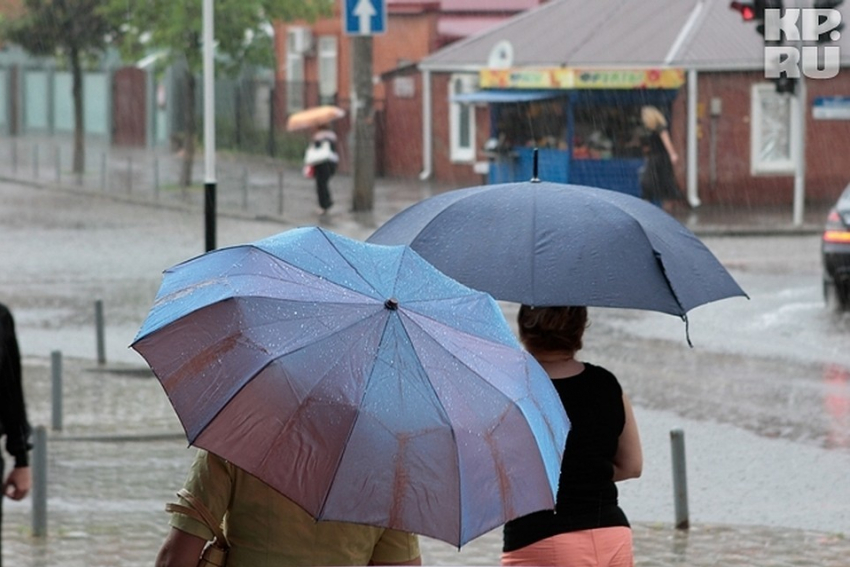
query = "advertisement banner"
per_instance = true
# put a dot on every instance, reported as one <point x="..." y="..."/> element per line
<point x="574" y="78"/>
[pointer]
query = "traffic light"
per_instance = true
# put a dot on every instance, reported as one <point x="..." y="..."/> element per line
<point x="754" y="11"/>
<point x="827" y="37"/>
<point x="747" y="10"/>
<point x="785" y="85"/>
<point x="761" y="6"/>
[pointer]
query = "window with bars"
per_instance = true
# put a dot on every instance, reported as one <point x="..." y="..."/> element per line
<point x="462" y="119"/>
<point x="773" y="131"/>
<point x="328" y="70"/>
<point x="294" y="72"/>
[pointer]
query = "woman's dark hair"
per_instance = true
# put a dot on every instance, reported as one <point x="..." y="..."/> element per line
<point x="552" y="328"/>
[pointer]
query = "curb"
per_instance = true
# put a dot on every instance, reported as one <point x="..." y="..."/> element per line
<point x="712" y="229"/>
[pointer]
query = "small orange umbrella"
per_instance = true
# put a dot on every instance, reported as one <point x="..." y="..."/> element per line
<point x="315" y="116"/>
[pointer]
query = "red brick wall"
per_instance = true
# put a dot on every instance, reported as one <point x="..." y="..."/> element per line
<point x="402" y="147"/>
<point x="410" y="37"/>
<point x="445" y="171"/>
<point x="827" y="144"/>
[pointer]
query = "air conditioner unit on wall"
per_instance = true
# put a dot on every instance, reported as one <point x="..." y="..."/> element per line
<point x="300" y="39"/>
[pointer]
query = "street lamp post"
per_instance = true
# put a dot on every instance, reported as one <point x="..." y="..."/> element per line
<point x="209" y="127"/>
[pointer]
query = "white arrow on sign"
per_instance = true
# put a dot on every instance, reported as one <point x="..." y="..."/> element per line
<point x="364" y="12"/>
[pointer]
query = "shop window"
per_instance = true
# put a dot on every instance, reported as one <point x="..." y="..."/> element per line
<point x="327" y="69"/>
<point x="462" y="119"/>
<point x="773" y="131"/>
<point x="600" y="131"/>
<point x="608" y="132"/>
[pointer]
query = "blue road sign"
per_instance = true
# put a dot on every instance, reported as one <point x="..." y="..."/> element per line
<point x="365" y="17"/>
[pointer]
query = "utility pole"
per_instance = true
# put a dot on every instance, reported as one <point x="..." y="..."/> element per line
<point x="364" y="124"/>
<point x="209" y="128"/>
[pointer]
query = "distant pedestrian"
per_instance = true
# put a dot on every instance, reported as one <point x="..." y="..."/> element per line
<point x="322" y="156"/>
<point x="587" y="526"/>
<point x="13" y="416"/>
<point x="658" y="180"/>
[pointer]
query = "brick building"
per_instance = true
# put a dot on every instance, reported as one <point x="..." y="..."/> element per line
<point x="314" y="66"/>
<point x="736" y="135"/>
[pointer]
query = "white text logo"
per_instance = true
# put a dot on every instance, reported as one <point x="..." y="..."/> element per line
<point x="801" y="25"/>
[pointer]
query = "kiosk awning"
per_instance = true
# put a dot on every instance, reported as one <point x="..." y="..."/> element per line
<point x="506" y="95"/>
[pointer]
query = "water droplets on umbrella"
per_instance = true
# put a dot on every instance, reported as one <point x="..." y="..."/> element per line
<point x="317" y="330"/>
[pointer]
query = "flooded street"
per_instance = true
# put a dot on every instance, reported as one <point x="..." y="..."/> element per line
<point x="763" y="396"/>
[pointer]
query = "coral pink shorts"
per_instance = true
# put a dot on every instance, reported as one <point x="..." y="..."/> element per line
<point x="601" y="547"/>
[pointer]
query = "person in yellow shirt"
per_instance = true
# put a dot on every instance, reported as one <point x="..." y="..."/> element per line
<point x="264" y="528"/>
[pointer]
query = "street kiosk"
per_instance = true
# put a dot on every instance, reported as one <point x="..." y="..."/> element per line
<point x="585" y="122"/>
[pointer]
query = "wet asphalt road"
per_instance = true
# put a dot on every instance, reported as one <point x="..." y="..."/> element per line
<point x="763" y="397"/>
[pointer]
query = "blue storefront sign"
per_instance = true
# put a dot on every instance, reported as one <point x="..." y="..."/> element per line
<point x="831" y="108"/>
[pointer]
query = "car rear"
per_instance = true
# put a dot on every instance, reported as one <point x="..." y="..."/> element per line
<point x="836" y="253"/>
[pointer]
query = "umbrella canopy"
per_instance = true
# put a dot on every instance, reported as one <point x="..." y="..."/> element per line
<point x="312" y="117"/>
<point x="547" y="244"/>
<point x="358" y="381"/>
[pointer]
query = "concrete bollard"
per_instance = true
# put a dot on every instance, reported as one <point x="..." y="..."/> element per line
<point x="156" y="178"/>
<point x="57" y="162"/>
<point x="680" y="479"/>
<point x="280" y="192"/>
<point x="244" y="188"/>
<point x="35" y="161"/>
<point x="99" y="335"/>
<point x="56" y="389"/>
<point x="103" y="170"/>
<point x="39" y="482"/>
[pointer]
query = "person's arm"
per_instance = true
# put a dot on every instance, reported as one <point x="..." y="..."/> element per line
<point x="180" y="549"/>
<point x="628" y="461"/>
<point x="668" y="144"/>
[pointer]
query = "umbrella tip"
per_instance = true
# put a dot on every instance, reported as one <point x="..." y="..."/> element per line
<point x="391" y="304"/>
<point x="534" y="178"/>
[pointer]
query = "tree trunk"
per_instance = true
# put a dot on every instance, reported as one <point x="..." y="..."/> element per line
<point x="189" y="134"/>
<point x="77" y="93"/>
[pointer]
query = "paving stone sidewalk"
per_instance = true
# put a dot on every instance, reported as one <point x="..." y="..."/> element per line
<point x="121" y="454"/>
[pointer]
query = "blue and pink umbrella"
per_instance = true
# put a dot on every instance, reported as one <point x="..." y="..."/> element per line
<point x="358" y="381"/>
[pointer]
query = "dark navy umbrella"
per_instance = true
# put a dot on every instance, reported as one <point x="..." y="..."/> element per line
<point x="358" y="381"/>
<point x="547" y="244"/>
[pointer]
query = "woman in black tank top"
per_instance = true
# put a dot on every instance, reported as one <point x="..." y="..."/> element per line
<point x="587" y="526"/>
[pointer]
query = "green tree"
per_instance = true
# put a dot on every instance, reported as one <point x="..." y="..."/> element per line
<point x="241" y="34"/>
<point x="70" y="29"/>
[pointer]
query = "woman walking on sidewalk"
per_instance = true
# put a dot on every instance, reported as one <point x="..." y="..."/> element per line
<point x="322" y="157"/>
<point x="658" y="180"/>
